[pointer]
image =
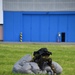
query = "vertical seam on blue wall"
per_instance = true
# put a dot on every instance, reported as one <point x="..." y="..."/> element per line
<point x="39" y="28"/>
<point x="21" y="24"/>
<point x="58" y="15"/>
<point x="31" y="30"/>
<point x="23" y="27"/>
<point x="13" y="27"/>
<point x="67" y="29"/>
<point x="57" y="27"/>
<point x="58" y="23"/>
<point x="49" y="30"/>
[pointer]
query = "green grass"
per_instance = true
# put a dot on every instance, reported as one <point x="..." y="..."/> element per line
<point x="11" y="53"/>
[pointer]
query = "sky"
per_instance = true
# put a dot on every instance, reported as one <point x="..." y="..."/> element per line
<point x="1" y="13"/>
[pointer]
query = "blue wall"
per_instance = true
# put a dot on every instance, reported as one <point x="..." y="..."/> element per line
<point x="38" y="26"/>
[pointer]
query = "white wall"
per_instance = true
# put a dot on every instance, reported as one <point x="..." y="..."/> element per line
<point x="1" y="12"/>
<point x="39" y="5"/>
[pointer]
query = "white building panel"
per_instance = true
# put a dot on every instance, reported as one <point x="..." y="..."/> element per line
<point x="39" y="5"/>
<point x="1" y="13"/>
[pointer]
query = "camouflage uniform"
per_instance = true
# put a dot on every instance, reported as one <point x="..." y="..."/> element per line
<point x="41" y="63"/>
<point x="41" y="57"/>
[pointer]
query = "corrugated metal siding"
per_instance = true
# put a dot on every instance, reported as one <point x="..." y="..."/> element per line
<point x="39" y="5"/>
<point x="71" y="28"/>
<point x="39" y="26"/>
<point x="12" y="26"/>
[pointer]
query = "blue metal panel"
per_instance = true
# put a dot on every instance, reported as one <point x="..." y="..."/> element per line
<point x="44" y="28"/>
<point x="12" y="26"/>
<point x="8" y="26"/>
<point x="35" y="28"/>
<point x="63" y="25"/>
<point x="38" y="26"/>
<point x="53" y="28"/>
<point x="71" y="28"/>
<point x="27" y="28"/>
<point x="17" y="25"/>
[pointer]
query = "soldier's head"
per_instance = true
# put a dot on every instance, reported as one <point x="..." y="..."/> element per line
<point x="42" y="52"/>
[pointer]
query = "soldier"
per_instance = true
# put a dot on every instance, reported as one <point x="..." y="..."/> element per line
<point x="41" y="57"/>
<point x="41" y="63"/>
